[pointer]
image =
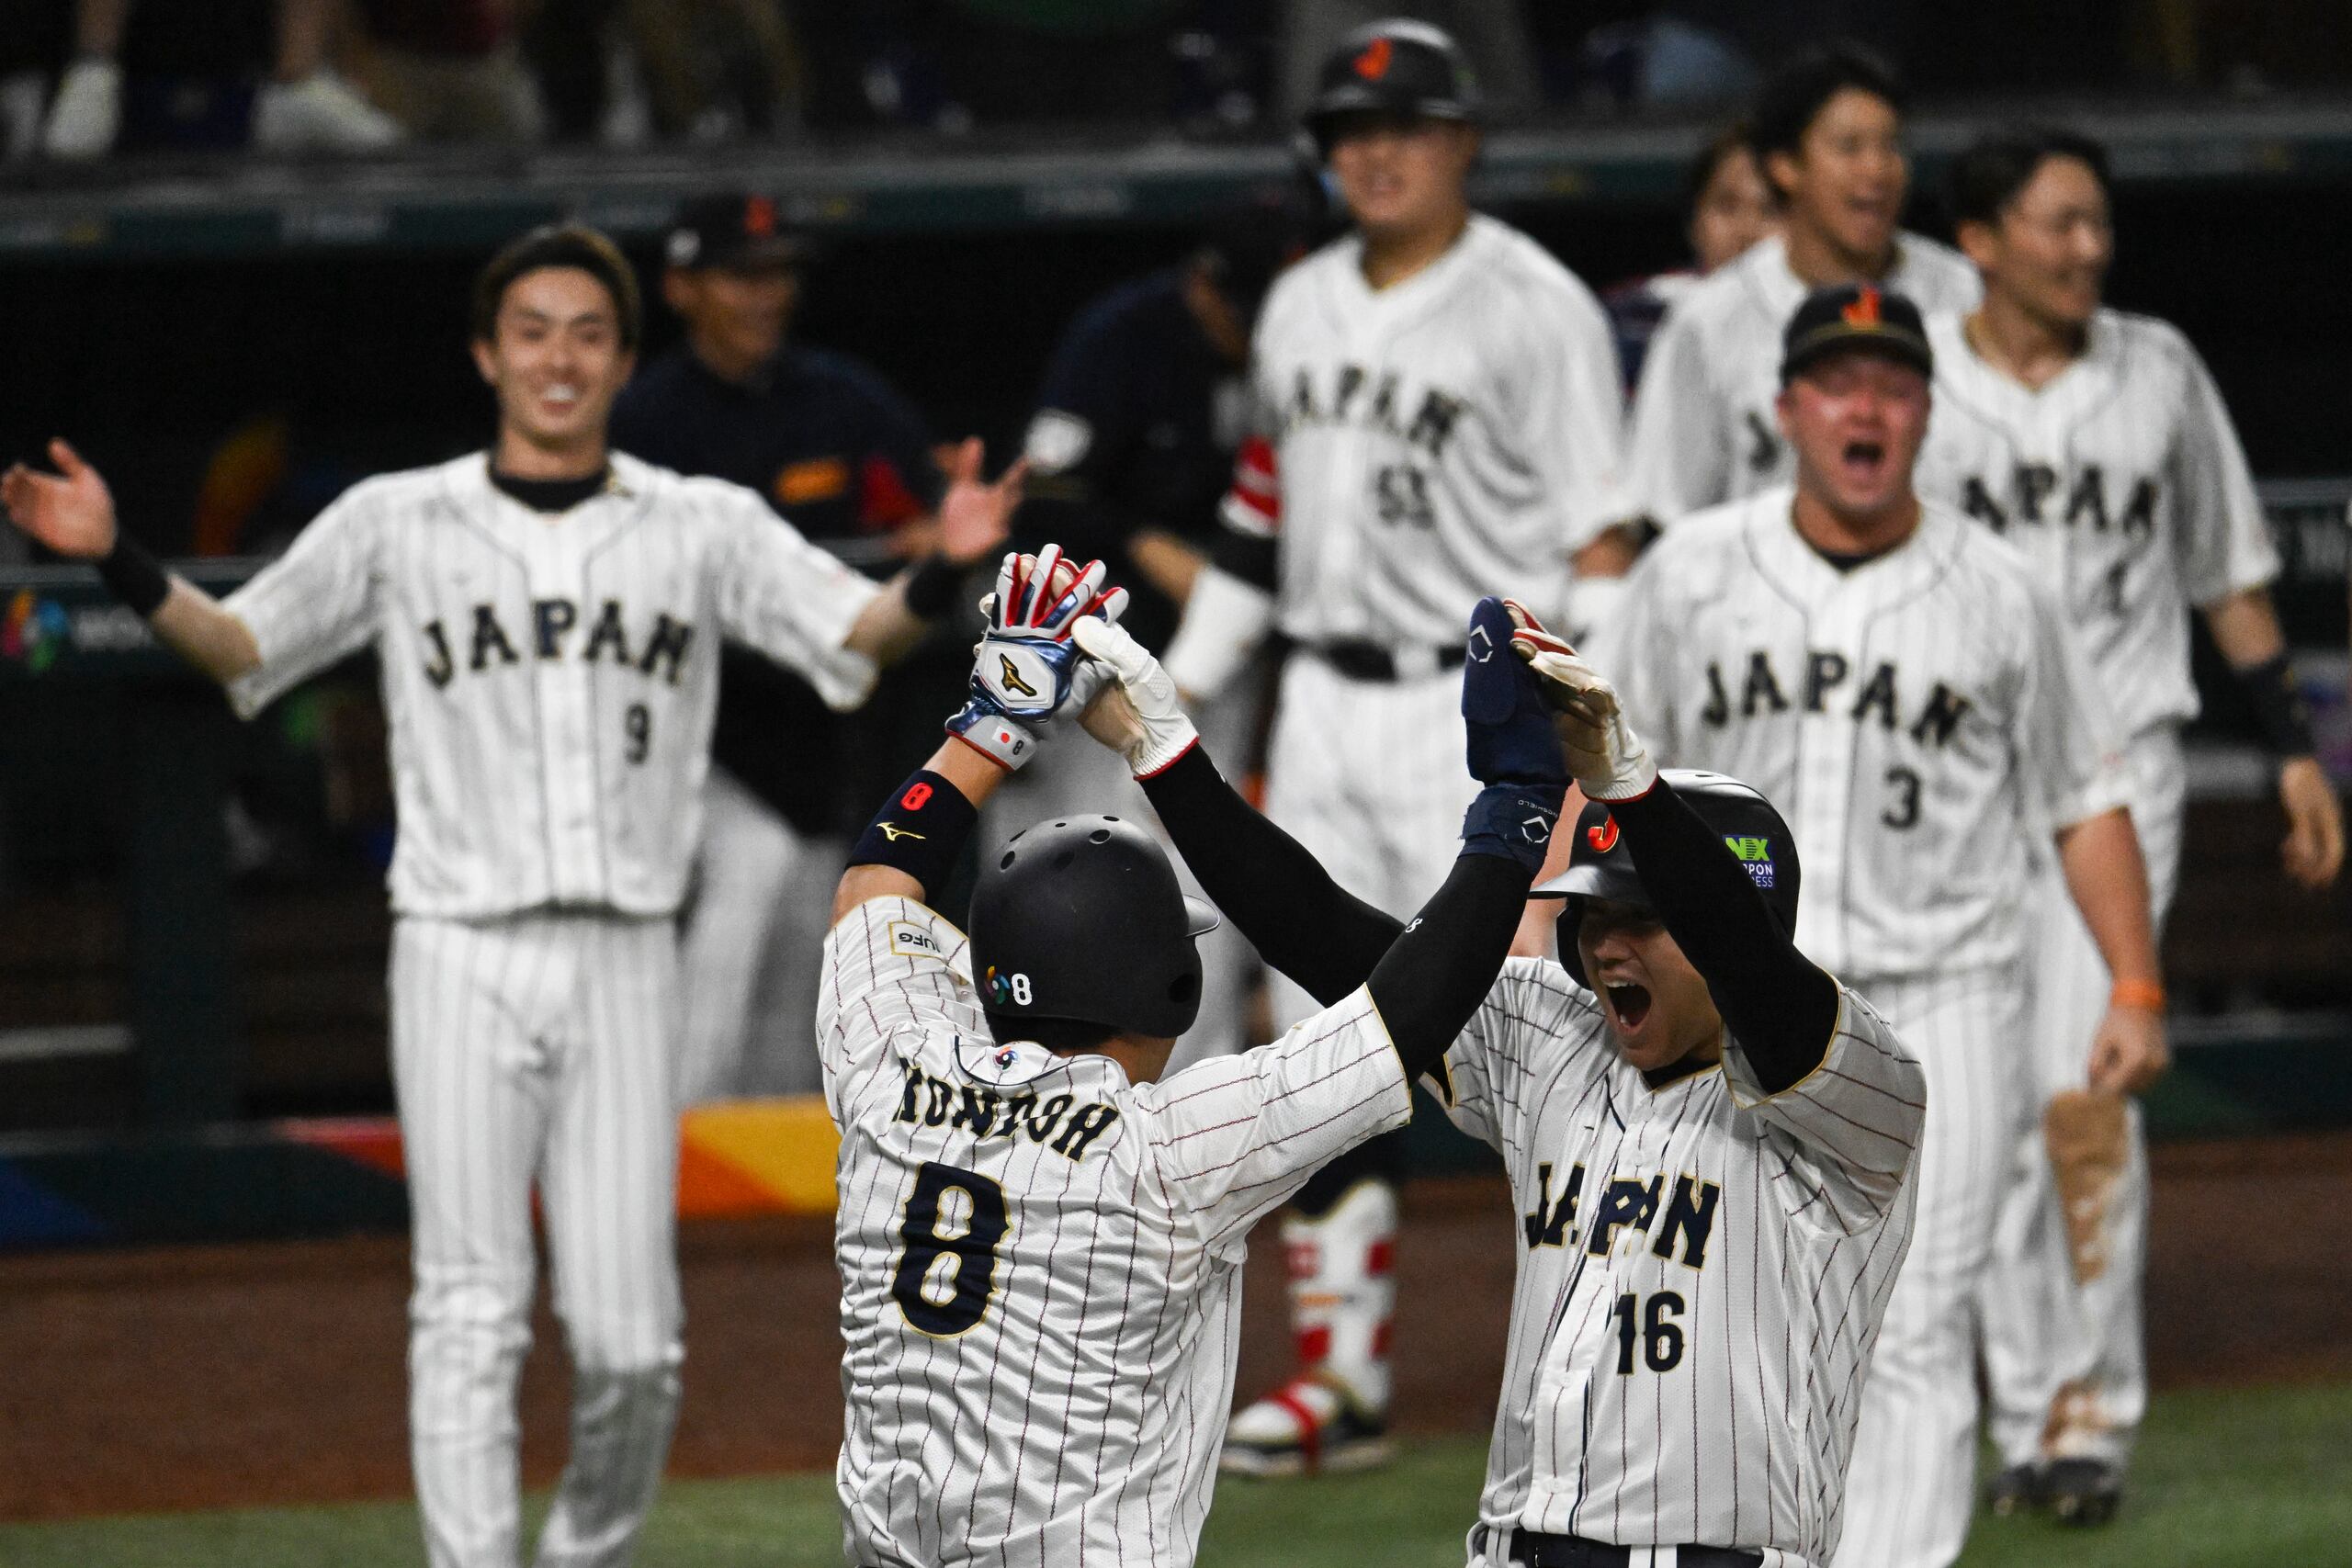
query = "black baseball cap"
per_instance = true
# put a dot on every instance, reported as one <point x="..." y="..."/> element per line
<point x="1397" y="67"/>
<point x="736" y="230"/>
<point x="1854" y="318"/>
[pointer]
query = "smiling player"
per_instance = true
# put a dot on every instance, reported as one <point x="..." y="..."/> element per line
<point x="547" y="618"/>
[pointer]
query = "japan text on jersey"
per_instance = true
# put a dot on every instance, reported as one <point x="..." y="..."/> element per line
<point x="1040" y="1262"/>
<point x="1916" y="718"/>
<point x="1455" y="431"/>
<point x="2122" y="480"/>
<point x="1704" y="1271"/>
<point x="549" y="680"/>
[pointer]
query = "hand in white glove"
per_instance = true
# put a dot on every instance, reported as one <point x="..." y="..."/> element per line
<point x="1605" y="757"/>
<point x="1138" y="713"/>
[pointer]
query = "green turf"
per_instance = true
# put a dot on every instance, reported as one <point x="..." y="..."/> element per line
<point x="2224" y="1480"/>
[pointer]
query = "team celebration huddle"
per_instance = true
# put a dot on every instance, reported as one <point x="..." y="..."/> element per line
<point x="1725" y="758"/>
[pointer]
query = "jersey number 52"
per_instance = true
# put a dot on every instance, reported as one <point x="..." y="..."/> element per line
<point x="947" y="1273"/>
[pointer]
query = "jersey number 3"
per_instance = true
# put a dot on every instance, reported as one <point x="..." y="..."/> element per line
<point x="947" y="1273"/>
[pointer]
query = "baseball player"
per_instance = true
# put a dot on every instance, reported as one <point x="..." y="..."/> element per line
<point x="1708" y="1142"/>
<point x="1444" y="418"/>
<point x="1040" y="1239"/>
<point x="1726" y="208"/>
<point x="1828" y="133"/>
<point x="1905" y="686"/>
<point x="838" y="450"/>
<point x="547" y="618"/>
<point x="2095" y="442"/>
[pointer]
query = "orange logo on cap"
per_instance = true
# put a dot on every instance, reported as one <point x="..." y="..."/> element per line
<point x="759" y="216"/>
<point x="1373" y="64"/>
<point x="1863" y="311"/>
<point x="1602" y="836"/>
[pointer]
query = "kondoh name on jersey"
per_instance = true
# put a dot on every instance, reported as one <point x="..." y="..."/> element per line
<point x="1059" y="1120"/>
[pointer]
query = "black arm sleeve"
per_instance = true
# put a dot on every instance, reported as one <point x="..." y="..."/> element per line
<point x="1778" y="1005"/>
<point x="1433" y="976"/>
<point x="1274" y="892"/>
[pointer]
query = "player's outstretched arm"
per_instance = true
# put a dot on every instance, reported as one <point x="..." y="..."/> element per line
<point x="2109" y="881"/>
<point x="1433" y="976"/>
<point x="1024" y="672"/>
<point x="72" y="512"/>
<point x="1780" y="1007"/>
<point x="973" y="519"/>
<point x="1275" y="892"/>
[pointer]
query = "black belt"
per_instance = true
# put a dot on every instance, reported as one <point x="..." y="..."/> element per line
<point x="1534" y="1549"/>
<point x="1370" y="662"/>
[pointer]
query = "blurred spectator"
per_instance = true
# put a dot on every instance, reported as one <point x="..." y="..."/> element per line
<point x="303" y="106"/>
<point x="1491" y="32"/>
<point x="836" y="449"/>
<point x="450" y="69"/>
<point x="1726" y="208"/>
<point x="624" y="71"/>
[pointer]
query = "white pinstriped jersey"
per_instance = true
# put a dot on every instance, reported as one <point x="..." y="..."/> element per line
<point x="549" y="680"/>
<point x="1704" y="1274"/>
<point x="1434" y="439"/>
<point x="1703" y="428"/>
<point x="1040" y="1264"/>
<point x="2123" y="482"/>
<point x="1911" y="717"/>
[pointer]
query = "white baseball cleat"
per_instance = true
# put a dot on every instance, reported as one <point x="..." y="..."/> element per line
<point x="86" y="115"/>
<point x="1307" y="1426"/>
<point x="321" y="113"/>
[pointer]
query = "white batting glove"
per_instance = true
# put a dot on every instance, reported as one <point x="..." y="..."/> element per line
<point x="1605" y="757"/>
<point x="1138" y="715"/>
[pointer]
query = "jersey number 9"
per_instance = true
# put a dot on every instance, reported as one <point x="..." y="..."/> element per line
<point x="945" y="1280"/>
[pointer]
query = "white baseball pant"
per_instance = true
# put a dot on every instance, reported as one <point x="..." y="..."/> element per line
<point x="2046" y="1333"/>
<point x="1912" y="1480"/>
<point x="537" y="1047"/>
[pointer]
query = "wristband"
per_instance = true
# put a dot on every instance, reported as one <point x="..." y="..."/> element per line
<point x="920" y="830"/>
<point x="1513" y="821"/>
<point x="2146" y="996"/>
<point x="932" y="587"/>
<point x="133" y="576"/>
<point x="2279" y="711"/>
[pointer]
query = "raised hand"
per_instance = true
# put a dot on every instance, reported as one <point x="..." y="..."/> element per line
<point x="1026" y="667"/>
<point x="1604" y="756"/>
<point x="1137" y="714"/>
<point x="69" y="512"/>
<point x="975" y="517"/>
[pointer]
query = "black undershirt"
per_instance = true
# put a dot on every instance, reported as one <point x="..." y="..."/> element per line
<point x="551" y="495"/>
<point x="1775" y="1002"/>
<point x="1846" y="560"/>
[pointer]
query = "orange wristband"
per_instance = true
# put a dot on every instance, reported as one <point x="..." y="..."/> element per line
<point x="2146" y="995"/>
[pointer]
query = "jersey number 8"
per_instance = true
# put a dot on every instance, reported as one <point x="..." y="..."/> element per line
<point x="945" y="1280"/>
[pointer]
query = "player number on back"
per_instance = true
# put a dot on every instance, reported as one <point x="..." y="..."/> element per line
<point x="947" y="1273"/>
<point x="1656" y="1328"/>
<point x="1401" y="496"/>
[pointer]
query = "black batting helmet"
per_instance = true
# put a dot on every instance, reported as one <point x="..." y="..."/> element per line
<point x="1081" y="920"/>
<point x="1600" y="866"/>
<point x="1397" y="67"/>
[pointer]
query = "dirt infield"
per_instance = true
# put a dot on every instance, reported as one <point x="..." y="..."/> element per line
<point x="193" y="1378"/>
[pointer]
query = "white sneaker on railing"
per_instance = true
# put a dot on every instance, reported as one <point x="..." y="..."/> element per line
<point x="321" y="113"/>
<point x="86" y="116"/>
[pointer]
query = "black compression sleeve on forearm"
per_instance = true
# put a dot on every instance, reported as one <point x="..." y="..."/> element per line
<point x="1435" y="975"/>
<point x="920" y="830"/>
<point x="1776" y="1003"/>
<point x="1276" y="892"/>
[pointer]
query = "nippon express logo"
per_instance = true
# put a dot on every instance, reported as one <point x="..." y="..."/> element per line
<point x="33" y="631"/>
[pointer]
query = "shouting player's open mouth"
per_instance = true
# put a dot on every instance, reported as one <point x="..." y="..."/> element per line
<point x="1861" y="460"/>
<point x="1628" y="1005"/>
